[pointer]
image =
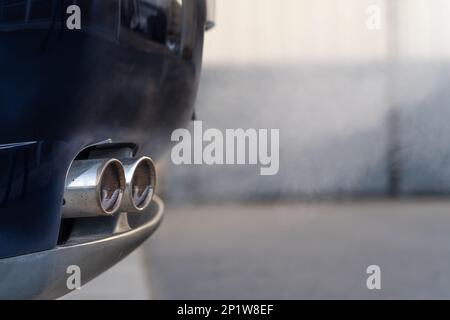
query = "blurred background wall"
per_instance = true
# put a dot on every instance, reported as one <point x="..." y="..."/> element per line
<point x="361" y="111"/>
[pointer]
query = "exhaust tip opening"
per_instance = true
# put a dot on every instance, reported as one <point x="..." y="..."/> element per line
<point x="142" y="183"/>
<point x="111" y="186"/>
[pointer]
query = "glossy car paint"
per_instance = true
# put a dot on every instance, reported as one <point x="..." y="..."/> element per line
<point x="130" y="75"/>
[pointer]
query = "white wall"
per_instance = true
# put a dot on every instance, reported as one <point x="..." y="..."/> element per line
<point x="293" y="31"/>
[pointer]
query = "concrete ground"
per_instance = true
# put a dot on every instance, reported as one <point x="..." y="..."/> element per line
<point x="288" y="251"/>
<point x="126" y="280"/>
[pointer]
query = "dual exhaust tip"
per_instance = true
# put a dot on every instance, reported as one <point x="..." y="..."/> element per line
<point x="102" y="187"/>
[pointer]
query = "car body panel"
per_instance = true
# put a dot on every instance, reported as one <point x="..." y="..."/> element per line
<point x="64" y="90"/>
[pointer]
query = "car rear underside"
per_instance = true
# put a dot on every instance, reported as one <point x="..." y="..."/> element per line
<point x="85" y="116"/>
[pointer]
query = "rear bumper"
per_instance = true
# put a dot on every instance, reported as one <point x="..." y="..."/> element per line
<point x="43" y="275"/>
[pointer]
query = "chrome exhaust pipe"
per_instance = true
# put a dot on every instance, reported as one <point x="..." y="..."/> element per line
<point x="140" y="181"/>
<point x="93" y="188"/>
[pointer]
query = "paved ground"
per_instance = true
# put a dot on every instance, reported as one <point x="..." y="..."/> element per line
<point x="315" y="250"/>
<point x="126" y="280"/>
